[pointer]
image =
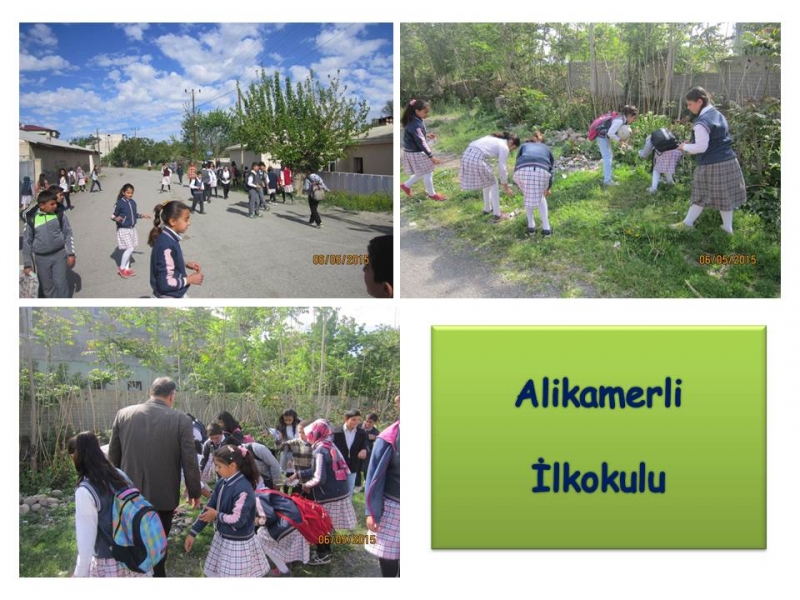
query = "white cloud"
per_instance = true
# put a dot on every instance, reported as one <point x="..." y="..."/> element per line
<point x="298" y="73"/>
<point x="114" y="75"/>
<point x="28" y="81"/>
<point x="104" y="60"/>
<point x="40" y="35"/>
<point x="28" y="62"/>
<point x="134" y="31"/>
<point x="275" y="56"/>
<point x="62" y="99"/>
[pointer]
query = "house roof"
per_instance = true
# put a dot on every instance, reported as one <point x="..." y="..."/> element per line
<point x="41" y="140"/>
<point x="377" y="135"/>
<point x="39" y="128"/>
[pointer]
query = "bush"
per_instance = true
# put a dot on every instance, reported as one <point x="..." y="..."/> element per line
<point x="58" y="475"/>
<point x="756" y="131"/>
<point x="530" y="107"/>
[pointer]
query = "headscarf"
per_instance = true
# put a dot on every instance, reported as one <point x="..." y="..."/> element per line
<point x="320" y="435"/>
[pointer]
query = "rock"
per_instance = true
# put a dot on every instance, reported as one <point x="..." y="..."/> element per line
<point x="36" y="508"/>
<point x="21" y="499"/>
<point x="30" y="500"/>
<point x="24" y="509"/>
<point x="57" y="494"/>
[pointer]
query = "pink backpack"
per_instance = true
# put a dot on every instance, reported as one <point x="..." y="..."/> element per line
<point x="601" y="124"/>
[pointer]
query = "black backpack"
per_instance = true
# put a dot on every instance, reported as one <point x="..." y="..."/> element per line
<point x="199" y="428"/>
<point x="664" y="140"/>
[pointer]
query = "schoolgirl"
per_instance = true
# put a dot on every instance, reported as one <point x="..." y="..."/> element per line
<point x="272" y="184"/>
<point x="382" y="499"/>
<point x="166" y="176"/>
<point x="234" y="551"/>
<point x="225" y="179"/>
<point x="197" y="188"/>
<point x="718" y="181"/>
<point x="286" y="183"/>
<point x="608" y="132"/>
<point x="125" y="215"/>
<point x="94" y="498"/>
<point x="66" y="188"/>
<point x="326" y="482"/>
<point x="287" y="426"/>
<point x="278" y="538"/>
<point x="168" y="277"/>
<point x="476" y="173"/>
<point x="25" y="193"/>
<point x="418" y="158"/>
<point x="664" y="163"/>
<point x="533" y="173"/>
<point x="212" y="443"/>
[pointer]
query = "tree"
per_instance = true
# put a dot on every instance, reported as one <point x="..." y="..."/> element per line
<point x="87" y="141"/>
<point x="306" y="126"/>
<point x="214" y="131"/>
<point x="388" y="109"/>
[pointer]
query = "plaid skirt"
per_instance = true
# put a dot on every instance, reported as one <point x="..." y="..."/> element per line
<point x="289" y="189"/>
<point x="341" y="513"/>
<point x="108" y="567"/>
<point x="719" y="186"/>
<point x="229" y="558"/>
<point x="387" y="543"/>
<point x="127" y="238"/>
<point x="291" y="547"/>
<point x="533" y="182"/>
<point x="417" y="163"/>
<point x="665" y="162"/>
<point x="475" y="172"/>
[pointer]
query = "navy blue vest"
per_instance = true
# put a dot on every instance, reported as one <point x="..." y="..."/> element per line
<point x="720" y="143"/>
<point x="102" y="543"/>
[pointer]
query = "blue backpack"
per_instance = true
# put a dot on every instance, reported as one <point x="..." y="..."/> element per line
<point x="138" y="539"/>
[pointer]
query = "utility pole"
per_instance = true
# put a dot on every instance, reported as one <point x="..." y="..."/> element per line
<point x="135" y="129"/>
<point x="194" y="122"/>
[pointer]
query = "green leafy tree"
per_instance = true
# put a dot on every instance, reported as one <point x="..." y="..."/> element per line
<point x="214" y="131"/>
<point x="88" y="141"/>
<point x="306" y="126"/>
<point x="388" y="109"/>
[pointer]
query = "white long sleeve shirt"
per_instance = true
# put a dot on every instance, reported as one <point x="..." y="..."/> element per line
<point x="615" y="125"/>
<point x="498" y="148"/>
<point x="85" y="530"/>
<point x="701" y="137"/>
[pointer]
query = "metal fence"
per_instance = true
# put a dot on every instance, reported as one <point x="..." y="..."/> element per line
<point x="356" y="183"/>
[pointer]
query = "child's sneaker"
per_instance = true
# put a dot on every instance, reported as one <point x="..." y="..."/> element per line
<point x="275" y="572"/>
<point x="681" y="226"/>
<point x="320" y="559"/>
<point x="123" y="273"/>
<point x="651" y="191"/>
<point x="406" y="189"/>
<point x="546" y="232"/>
<point x="438" y="197"/>
<point x="500" y="217"/>
<point x="531" y="230"/>
<point x="725" y="230"/>
<point x="130" y="272"/>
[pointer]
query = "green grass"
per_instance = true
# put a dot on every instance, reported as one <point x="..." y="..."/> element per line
<point x="607" y="242"/>
<point x="47" y="547"/>
<point x="370" y="202"/>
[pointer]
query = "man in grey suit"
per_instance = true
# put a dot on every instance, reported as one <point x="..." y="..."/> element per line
<point x="152" y="444"/>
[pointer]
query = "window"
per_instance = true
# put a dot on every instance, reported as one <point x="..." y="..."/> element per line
<point x="135" y="385"/>
<point x="358" y="164"/>
<point x="332" y="166"/>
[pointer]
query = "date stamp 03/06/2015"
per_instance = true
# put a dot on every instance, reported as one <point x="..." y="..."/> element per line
<point x="340" y="259"/>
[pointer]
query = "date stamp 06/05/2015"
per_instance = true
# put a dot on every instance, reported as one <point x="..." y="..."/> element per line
<point x="340" y="259"/>
<point x="727" y="259"/>
<point x="359" y="539"/>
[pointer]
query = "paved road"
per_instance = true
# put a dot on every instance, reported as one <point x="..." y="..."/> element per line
<point x="432" y="269"/>
<point x="269" y="257"/>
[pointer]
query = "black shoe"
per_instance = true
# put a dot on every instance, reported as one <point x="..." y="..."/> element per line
<point x="531" y="230"/>
<point x="546" y="232"/>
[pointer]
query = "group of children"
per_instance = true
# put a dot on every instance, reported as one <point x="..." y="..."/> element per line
<point x="718" y="182"/>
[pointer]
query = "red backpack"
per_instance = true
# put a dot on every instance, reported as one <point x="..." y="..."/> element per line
<point x="316" y="522"/>
<point x="601" y="124"/>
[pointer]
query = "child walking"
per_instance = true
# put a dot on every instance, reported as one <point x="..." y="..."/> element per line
<point x="125" y="215"/>
<point x="326" y="482"/>
<point x="663" y="143"/>
<point x="315" y="187"/>
<point x="47" y="243"/>
<point x="63" y="183"/>
<point x="718" y="182"/>
<point x="234" y="551"/>
<point x="168" y="277"/>
<point x="197" y="187"/>
<point x="533" y="173"/>
<point x="418" y="158"/>
<point x="95" y="181"/>
<point x="286" y="183"/>
<point x="476" y="172"/>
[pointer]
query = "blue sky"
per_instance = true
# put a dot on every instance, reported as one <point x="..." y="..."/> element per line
<point x="130" y="77"/>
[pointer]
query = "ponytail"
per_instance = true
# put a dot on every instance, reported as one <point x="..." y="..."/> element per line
<point x="162" y="215"/>
<point x="123" y="188"/>
<point x="409" y="111"/>
<point x="244" y="459"/>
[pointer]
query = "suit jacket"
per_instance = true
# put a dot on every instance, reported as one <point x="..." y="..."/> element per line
<point x="152" y="444"/>
<point x="359" y="444"/>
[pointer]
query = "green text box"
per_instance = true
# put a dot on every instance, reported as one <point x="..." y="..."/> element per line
<point x="711" y="449"/>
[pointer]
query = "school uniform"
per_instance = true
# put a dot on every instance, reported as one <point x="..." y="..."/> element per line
<point x="197" y="188"/>
<point x="604" y="145"/>
<point x="664" y="163"/>
<point x="357" y="443"/>
<point x="234" y="551"/>
<point x="312" y="181"/>
<point x="167" y="267"/>
<point x="476" y="173"/>
<point x="333" y="494"/>
<point x="276" y="535"/>
<point x="46" y="243"/>
<point x="127" y="237"/>
<point x="533" y="172"/>
<point x="718" y="181"/>
<point x="253" y="201"/>
<point x="382" y="493"/>
<point x="417" y="154"/>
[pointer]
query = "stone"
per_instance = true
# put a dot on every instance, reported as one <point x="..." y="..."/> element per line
<point x="30" y="500"/>
<point x="36" y="508"/>
<point x="24" y="509"/>
<point x="57" y="494"/>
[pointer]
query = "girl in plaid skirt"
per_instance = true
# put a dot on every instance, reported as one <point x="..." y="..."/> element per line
<point x="326" y="482"/>
<point x="382" y="499"/>
<point x="125" y="215"/>
<point x="418" y="158"/>
<point x="533" y="173"/>
<point x="94" y="499"/>
<point x="234" y="551"/>
<point x="476" y="172"/>
<point x="664" y="163"/>
<point x="718" y="180"/>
